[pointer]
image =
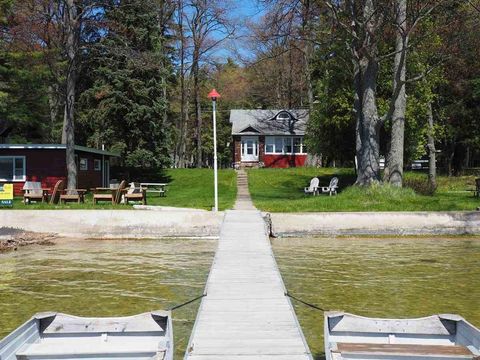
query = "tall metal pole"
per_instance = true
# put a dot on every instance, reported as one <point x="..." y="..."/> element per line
<point x="215" y="168"/>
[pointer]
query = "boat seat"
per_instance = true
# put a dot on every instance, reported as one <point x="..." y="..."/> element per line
<point x="405" y="350"/>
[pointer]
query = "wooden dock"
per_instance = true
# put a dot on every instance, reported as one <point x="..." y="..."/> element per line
<point x="246" y="314"/>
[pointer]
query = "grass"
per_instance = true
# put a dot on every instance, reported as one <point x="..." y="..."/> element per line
<point x="281" y="190"/>
<point x="191" y="188"/>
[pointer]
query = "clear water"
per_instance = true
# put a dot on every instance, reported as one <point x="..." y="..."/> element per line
<point x="380" y="277"/>
<point x="105" y="278"/>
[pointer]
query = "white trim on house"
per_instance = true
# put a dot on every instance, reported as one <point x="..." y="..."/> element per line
<point x="273" y="142"/>
<point x="248" y="143"/>
<point x="56" y="147"/>
<point x="24" y="169"/>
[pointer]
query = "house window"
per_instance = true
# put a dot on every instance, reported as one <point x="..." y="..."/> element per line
<point x="283" y="116"/>
<point x="284" y="145"/>
<point x="97" y="165"/>
<point x="83" y="164"/>
<point x="12" y="168"/>
<point x="297" y="145"/>
<point x="278" y="145"/>
<point x="269" y="144"/>
<point x="287" y="145"/>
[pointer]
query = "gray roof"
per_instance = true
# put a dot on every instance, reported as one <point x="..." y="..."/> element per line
<point x="56" y="147"/>
<point x="265" y="122"/>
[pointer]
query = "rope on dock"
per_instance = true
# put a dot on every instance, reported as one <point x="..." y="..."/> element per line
<point x="305" y="303"/>
<point x="186" y="303"/>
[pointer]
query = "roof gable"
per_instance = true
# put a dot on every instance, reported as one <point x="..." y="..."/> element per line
<point x="250" y="129"/>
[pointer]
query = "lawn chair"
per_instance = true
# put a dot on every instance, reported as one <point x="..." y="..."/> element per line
<point x="112" y="194"/>
<point x="332" y="188"/>
<point x="136" y="193"/>
<point x="33" y="192"/>
<point x="313" y="188"/>
<point x="57" y="190"/>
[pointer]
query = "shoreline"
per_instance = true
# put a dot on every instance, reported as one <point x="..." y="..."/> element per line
<point x="11" y="239"/>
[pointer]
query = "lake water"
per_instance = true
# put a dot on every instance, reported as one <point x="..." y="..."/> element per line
<point x="380" y="277"/>
<point x="105" y="278"/>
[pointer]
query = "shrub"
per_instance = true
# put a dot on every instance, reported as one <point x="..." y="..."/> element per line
<point x="420" y="185"/>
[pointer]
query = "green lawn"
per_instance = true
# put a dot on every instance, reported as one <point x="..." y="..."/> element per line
<point x="191" y="188"/>
<point x="281" y="190"/>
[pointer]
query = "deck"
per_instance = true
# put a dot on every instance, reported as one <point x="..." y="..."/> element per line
<point x="245" y="314"/>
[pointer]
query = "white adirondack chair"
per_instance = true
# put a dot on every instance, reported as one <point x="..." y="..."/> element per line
<point x="313" y="188"/>
<point x="331" y="188"/>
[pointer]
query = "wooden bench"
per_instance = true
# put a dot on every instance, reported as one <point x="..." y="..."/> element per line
<point x="405" y="350"/>
<point x="77" y="195"/>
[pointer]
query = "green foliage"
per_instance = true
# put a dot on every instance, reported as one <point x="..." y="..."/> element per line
<point x="23" y="95"/>
<point x="331" y="129"/>
<point x="125" y="107"/>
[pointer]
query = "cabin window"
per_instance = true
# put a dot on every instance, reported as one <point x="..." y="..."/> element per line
<point x="284" y="145"/>
<point x="278" y="145"/>
<point x="283" y="116"/>
<point x="269" y="145"/>
<point x="12" y="168"/>
<point x="297" y="145"/>
<point x="97" y="165"/>
<point x="83" y="164"/>
<point x="287" y="145"/>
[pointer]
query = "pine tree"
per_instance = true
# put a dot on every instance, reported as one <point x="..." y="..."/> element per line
<point x="126" y="104"/>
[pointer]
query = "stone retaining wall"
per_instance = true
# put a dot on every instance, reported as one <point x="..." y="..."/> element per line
<point x="377" y="223"/>
<point x="115" y="223"/>
<point x="199" y="223"/>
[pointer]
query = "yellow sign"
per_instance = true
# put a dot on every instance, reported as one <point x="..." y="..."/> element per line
<point x="6" y="194"/>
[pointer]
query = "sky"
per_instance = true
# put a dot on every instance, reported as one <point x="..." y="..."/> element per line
<point x="244" y="11"/>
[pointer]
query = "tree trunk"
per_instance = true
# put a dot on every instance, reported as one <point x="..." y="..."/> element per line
<point x="53" y="103"/>
<point x="365" y="81"/>
<point x="72" y="43"/>
<point x="394" y="164"/>
<point x="368" y="122"/>
<point x="368" y="153"/>
<point x="198" y="117"/>
<point x="432" y="153"/>
<point x="180" y="146"/>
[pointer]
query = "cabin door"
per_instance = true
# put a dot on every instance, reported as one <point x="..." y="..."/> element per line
<point x="249" y="148"/>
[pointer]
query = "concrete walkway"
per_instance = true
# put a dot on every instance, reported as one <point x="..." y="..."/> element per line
<point x="244" y="201"/>
<point x="245" y="314"/>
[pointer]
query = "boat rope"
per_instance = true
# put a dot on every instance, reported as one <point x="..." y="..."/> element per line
<point x="305" y="303"/>
<point x="186" y="302"/>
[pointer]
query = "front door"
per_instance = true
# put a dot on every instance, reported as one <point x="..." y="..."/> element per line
<point x="249" y="148"/>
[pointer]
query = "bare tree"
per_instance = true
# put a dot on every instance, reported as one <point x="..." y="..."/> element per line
<point x="363" y="24"/>
<point x="432" y="152"/>
<point x="208" y="26"/>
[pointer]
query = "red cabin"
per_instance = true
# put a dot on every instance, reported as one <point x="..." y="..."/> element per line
<point x="47" y="163"/>
<point x="270" y="138"/>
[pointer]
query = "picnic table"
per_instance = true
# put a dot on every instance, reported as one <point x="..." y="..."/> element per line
<point x="159" y="188"/>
